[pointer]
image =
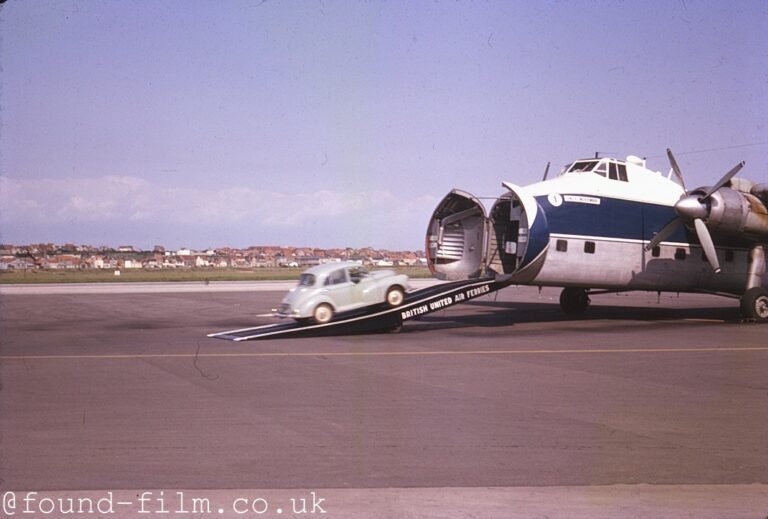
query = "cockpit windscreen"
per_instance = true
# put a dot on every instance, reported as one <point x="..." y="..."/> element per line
<point x="582" y="166"/>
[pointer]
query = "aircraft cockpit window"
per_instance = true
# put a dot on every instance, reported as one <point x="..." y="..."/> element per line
<point x="582" y="166"/>
<point x="600" y="170"/>
<point x="618" y="172"/>
<point x="614" y="172"/>
<point x="622" y="172"/>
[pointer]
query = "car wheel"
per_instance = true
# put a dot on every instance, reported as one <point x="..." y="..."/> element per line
<point x="323" y="313"/>
<point x="395" y="296"/>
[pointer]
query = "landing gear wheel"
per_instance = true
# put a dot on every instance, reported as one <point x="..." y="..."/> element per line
<point x="574" y="301"/>
<point x="323" y="313"/>
<point x="395" y="296"/>
<point x="754" y="304"/>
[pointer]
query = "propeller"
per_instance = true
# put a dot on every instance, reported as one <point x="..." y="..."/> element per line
<point x="546" y="172"/>
<point x="694" y="207"/>
<point x="676" y="169"/>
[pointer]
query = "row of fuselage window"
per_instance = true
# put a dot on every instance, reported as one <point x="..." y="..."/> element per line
<point x="680" y="254"/>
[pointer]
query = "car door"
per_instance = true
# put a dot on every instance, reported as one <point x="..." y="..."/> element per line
<point x="365" y="291"/>
<point x="339" y="289"/>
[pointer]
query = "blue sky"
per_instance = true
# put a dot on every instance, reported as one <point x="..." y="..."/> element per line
<point x="325" y="123"/>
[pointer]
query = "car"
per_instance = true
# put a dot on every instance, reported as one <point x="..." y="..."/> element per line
<point x="325" y="290"/>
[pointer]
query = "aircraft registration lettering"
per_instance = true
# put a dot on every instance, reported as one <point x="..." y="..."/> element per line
<point x="582" y="199"/>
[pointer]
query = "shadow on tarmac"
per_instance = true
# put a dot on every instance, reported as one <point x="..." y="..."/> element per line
<point x="492" y="314"/>
<point x="495" y="314"/>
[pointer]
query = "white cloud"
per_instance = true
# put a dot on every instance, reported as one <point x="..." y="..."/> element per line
<point x="123" y="202"/>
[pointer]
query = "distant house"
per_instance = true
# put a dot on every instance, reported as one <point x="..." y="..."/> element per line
<point x="64" y="261"/>
<point x="307" y="261"/>
<point x="96" y="262"/>
<point x="126" y="248"/>
<point x="172" y="263"/>
<point x="263" y="263"/>
<point x="16" y="264"/>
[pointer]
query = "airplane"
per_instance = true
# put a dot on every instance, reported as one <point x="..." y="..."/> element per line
<point x="607" y="225"/>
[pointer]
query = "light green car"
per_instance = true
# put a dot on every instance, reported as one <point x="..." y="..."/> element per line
<point x="326" y="290"/>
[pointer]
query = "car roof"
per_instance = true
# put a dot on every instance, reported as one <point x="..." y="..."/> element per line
<point x="327" y="268"/>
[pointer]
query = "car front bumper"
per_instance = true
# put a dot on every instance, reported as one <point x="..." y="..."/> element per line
<point x="285" y="310"/>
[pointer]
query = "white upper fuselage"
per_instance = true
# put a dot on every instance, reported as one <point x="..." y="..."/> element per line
<point x="600" y="213"/>
<point x="642" y="184"/>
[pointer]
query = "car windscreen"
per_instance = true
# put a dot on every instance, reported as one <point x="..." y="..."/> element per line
<point x="307" y="280"/>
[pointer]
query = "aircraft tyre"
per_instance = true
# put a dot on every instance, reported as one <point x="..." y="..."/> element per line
<point x="574" y="301"/>
<point x="323" y="313"/>
<point x="395" y="296"/>
<point x="754" y="304"/>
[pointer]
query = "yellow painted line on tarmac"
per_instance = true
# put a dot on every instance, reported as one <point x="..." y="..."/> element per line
<point x="377" y="353"/>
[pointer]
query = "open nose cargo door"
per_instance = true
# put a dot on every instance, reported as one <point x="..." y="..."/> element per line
<point x="464" y="243"/>
<point x="457" y="238"/>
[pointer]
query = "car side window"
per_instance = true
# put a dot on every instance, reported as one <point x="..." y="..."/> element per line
<point x="306" y="280"/>
<point x="356" y="274"/>
<point x="337" y="277"/>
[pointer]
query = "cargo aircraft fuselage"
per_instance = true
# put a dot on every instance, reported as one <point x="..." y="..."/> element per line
<point x="613" y="225"/>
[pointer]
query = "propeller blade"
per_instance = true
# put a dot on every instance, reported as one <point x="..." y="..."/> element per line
<point x="676" y="169"/>
<point x="706" y="244"/>
<point x="546" y="171"/>
<point x="724" y="180"/>
<point x="664" y="233"/>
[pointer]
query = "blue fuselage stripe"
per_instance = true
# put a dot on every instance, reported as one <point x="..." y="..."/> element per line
<point x="611" y="218"/>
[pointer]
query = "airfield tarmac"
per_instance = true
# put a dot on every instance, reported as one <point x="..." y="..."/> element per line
<point x="501" y="407"/>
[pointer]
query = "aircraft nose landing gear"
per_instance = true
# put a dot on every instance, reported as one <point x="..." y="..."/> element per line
<point x="754" y="304"/>
<point x="574" y="301"/>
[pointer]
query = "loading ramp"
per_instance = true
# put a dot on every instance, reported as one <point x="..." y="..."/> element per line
<point x="373" y="318"/>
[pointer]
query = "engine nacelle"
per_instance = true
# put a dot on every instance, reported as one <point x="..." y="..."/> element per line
<point x="736" y="214"/>
<point x="760" y="191"/>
